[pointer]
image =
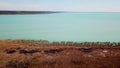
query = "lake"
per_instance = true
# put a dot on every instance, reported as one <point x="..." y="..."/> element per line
<point x="77" y="27"/>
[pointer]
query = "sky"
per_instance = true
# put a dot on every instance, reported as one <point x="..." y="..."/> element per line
<point x="62" y="5"/>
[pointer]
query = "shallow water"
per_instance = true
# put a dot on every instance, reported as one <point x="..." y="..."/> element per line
<point x="62" y="27"/>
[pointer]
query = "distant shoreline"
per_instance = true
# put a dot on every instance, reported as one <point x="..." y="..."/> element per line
<point x="9" y="12"/>
<point x="27" y="12"/>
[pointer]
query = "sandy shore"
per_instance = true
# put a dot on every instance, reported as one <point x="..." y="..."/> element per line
<point x="25" y="54"/>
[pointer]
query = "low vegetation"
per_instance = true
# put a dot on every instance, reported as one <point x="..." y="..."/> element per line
<point x="43" y="54"/>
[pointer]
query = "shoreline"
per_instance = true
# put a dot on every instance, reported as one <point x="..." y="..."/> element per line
<point x="106" y="43"/>
<point x="5" y="12"/>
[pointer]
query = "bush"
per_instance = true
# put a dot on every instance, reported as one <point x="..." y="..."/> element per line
<point x="17" y="64"/>
<point x="77" y="62"/>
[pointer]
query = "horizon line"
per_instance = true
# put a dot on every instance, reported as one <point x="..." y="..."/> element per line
<point x="62" y="11"/>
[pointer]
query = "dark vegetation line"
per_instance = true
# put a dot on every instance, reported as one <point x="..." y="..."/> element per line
<point x="46" y="42"/>
<point x="27" y="12"/>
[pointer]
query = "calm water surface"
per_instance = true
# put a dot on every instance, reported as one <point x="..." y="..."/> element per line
<point x="62" y="27"/>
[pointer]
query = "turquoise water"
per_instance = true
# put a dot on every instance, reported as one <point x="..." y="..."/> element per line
<point x="62" y="27"/>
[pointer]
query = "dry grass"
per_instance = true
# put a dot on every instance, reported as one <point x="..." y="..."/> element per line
<point x="26" y="54"/>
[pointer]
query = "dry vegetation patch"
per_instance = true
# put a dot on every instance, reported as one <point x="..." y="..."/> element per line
<point x="30" y="54"/>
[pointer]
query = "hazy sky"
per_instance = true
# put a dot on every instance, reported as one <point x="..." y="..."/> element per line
<point x="62" y="5"/>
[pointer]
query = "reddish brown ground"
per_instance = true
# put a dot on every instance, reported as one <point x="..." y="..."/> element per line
<point x="15" y="54"/>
